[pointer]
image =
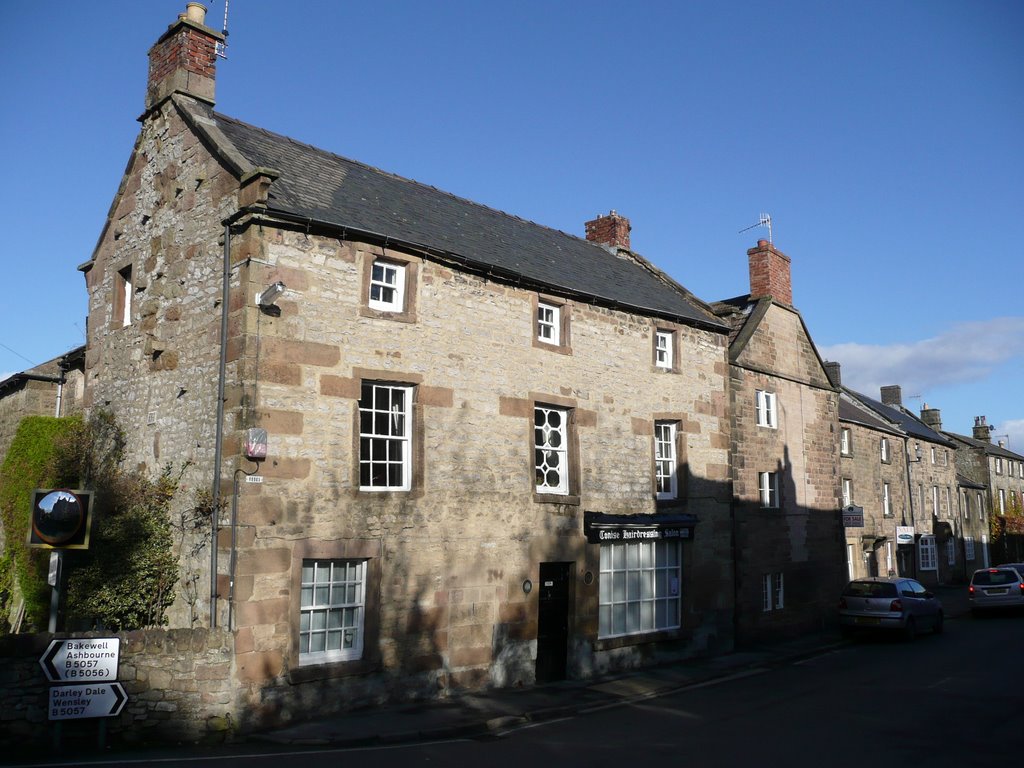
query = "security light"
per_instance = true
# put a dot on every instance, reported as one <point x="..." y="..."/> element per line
<point x="272" y="293"/>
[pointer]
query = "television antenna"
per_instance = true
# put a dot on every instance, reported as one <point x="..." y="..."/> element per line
<point x="765" y="220"/>
<point x="222" y="45"/>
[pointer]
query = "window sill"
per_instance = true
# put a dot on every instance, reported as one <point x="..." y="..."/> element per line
<point x="561" y="349"/>
<point x="556" y="498"/>
<point x="384" y="314"/>
<point x="331" y="670"/>
<point x="641" y="638"/>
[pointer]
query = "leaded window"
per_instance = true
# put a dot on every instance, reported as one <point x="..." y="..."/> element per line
<point x="551" y="449"/>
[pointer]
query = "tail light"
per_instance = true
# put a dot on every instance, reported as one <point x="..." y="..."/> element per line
<point x="970" y="590"/>
<point x="1022" y="587"/>
<point x="896" y="606"/>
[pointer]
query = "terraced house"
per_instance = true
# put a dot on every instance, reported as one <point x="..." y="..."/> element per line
<point x="491" y="452"/>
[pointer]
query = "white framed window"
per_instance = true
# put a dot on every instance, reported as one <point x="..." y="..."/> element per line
<point x="551" y="449"/>
<point x="935" y="501"/>
<point x="663" y="352"/>
<point x="640" y="587"/>
<point x="981" y="506"/>
<point x="768" y="487"/>
<point x="331" y="610"/>
<point x="884" y="447"/>
<point x="549" y="323"/>
<point x="1002" y="501"/>
<point x="950" y="551"/>
<point x="385" y="437"/>
<point x="888" y="557"/>
<point x="969" y="547"/>
<point x="387" y="286"/>
<point x="933" y="454"/>
<point x="927" y="557"/>
<point x="772" y="592"/>
<point x="886" y="501"/>
<point x="847" y="492"/>
<point x="665" y="465"/>
<point x="845" y="446"/>
<point x="999" y="466"/>
<point x="967" y="506"/>
<point x="945" y="458"/>
<point x="767" y="415"/>
<point x="949" y="502"/>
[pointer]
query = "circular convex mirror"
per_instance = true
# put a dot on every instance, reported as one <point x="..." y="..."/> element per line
<point x="57" y="517"/>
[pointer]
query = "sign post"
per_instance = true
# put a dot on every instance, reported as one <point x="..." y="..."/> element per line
<point x="82" y="660"/>
<point x="79" y="700"/>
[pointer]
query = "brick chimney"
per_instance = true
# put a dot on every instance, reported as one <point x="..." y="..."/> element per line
<point x="932" y="417"/>
<point x="834" y="374"/>
<point x="892" y="395"/>
<point x="612" y="230"/>
<point x="770" y="273"/>
<point x="982" y="431"/>
<point x="184" y="59"/>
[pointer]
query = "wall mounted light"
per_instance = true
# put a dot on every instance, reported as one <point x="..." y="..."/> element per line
<point x="272" y="293"/>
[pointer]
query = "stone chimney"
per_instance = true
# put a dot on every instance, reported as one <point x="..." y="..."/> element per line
<point x="892" y="395"/>
<point x="982" y="431"/>
<point x="932" y="417"/>
<point x="184" y="59"/>
<point x="611" y="230"/>
<point x="770" y="273"/>
<point x="834" y="374"/>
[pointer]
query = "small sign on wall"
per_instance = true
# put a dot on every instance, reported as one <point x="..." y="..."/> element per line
<point x="256" y="443"/>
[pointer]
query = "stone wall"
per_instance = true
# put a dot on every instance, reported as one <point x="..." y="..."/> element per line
<point x="178" y="684"/>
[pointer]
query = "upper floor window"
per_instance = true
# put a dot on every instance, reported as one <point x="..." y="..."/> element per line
<point x="766" y="409"/>
<point x="967" y="506"/>
<point x="768" y="489"/>
<point x="945" y="458"/>
<point x="387" y="286"/>
<point x="981" y="506"/>
<point x="847" y="492"/>
<point x="933" y="454"/>
<point x="385" y="437"/>
<point x="123" y="290"/>
<point x="935" y="501"/>
<point x="1002" y="501"/>
<point x="884" y="446"/>
<point x="845" y="438"/>
<point x="551" y="449"/>
<point x="549" y="323"/>
<point x="999" y="466"/>
<point x="886" y="501"/>
<point x="663" y="352"/>
<point x="665" y="472"/>
<point x="332" y="600"/>
<point x="949" y="502"/>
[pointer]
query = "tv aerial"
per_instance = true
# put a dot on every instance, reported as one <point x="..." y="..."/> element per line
<point x="222" y="45"/>
<point x="764" y="221"/>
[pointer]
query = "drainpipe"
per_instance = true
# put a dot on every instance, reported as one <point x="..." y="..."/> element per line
<point x="218" y="450"/>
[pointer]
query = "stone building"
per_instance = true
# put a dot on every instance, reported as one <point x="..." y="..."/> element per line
<point x="784" y="414"/>
<point x="997" y="477"/>
<point x="53" y="388"/>
<point x="452" y="447"/>
<point x="924" y="501"/>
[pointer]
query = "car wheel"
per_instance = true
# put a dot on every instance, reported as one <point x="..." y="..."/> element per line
<point x="938" y="624"/>
<point x="910" y="630"/>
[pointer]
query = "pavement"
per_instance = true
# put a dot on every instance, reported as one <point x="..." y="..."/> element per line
<point x="476" y="714"/>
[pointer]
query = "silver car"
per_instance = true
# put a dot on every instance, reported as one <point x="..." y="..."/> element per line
<point x="998" y="587"/>
<point x="894" y="604"/>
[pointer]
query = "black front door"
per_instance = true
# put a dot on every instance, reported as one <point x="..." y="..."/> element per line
<point x="553" y="621"/>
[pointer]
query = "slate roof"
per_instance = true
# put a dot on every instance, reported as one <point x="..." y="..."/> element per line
<point x="329" y="189"/>
<point x="992" y="449"/>
<point x="904" y="419"/>
<point x="851" y="411"/>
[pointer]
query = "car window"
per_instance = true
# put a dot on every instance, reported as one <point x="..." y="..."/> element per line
<point x="995" y="578"/>
<point x="870" y="589"/>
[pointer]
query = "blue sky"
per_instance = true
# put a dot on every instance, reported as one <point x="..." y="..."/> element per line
<point x="885" y="140"/>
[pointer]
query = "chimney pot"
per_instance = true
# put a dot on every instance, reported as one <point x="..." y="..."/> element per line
<point x="770" y="273"/>
<point x="892" y="395"/>
<point x="611" y="230"/>
<point x="196" y="12"/>
<point x="184" y="59"/>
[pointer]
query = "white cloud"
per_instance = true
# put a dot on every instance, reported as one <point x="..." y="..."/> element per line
<point x="966" y="352"/>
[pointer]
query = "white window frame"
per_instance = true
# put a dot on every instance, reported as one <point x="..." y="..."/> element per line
<point x="969" y="547"/>
<point x="772" y="591"/>
<point x="999" y="466"/>
<point x="640" y="587"/>
<point x="981" y="506"/>
<point x="935" y="501"/>
<point x="844" y="441"/>
<point x="847" y="491"/>
<point x="389" y="449"/>
<point x="665" y="463"/>
<point x="549" y="323"/>
<point x="950" y="551"/>
<point x="332" y="610"/>
<point x="884" y="448"/>
<point x="949" y="503"/>
<point x="1002" y="501"/>
<point x="767" y="409"/>
<point x="888" y="557"/>
<point x="551" y="449"/>
<point x="124" y="277"/>
<point x="663" y="350"/>
<point x="967" y="506"/>
<point x="768" y="489"/>
<point x="886" y="501"/>
<point x="387" y="286"/>
<point x="927" y="555"/>
<point x="933" y="454"/>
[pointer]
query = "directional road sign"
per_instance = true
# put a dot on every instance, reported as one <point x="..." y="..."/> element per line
<point x="81" y="659"/>
<point x="70" y="702"/>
